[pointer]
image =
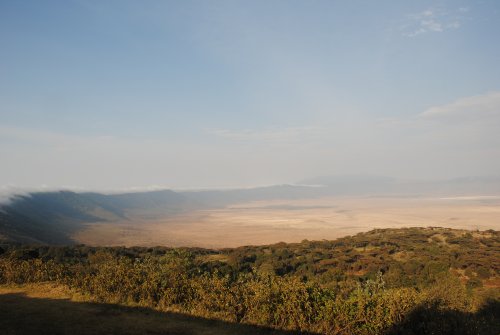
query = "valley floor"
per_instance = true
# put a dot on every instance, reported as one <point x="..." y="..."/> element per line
<point x="267" y="222"/>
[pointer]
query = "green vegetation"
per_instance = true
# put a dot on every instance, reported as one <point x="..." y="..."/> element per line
<point x="411" y="281"/>
<point x="49" y="309"/>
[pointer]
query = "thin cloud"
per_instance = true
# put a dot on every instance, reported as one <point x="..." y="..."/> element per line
<point x="269" y="135"/>
<point x="467" y="108"/>
<point x="433" y="20"/>
<point x="48" y="137"/>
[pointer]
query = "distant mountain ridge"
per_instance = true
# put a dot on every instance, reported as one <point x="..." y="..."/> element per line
<point x="381" y="185"/>
<point x="52" y="217"/>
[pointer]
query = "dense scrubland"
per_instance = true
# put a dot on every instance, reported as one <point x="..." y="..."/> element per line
<point x="386" y="281"/>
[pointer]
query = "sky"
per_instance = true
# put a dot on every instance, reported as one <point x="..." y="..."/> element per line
<point x="213" y="94"/>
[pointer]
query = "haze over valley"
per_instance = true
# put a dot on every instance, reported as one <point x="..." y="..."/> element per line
<point x="314" y="209"/>
<point x="195" y="124"/>
<point x="256" y="167"/>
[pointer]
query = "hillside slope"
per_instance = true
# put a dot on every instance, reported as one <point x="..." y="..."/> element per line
<point x="386" y="281"/>
<point x="51" y="217"/>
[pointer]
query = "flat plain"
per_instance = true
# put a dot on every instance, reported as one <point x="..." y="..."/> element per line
<point x="266" y="222"/>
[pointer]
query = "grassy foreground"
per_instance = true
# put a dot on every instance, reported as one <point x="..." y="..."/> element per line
<point x="48" y="308"/>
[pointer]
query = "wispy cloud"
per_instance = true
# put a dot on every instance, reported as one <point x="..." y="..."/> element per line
<point x="46" y="136"/>
<point x="269" y="135"/>
<point x="433" y="20"/>
<point x="468" y="108"/>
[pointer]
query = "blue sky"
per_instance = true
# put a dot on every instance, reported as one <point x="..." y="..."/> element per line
<point x="183" y="94"/>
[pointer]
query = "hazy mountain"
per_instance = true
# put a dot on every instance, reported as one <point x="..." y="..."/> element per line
<point x="351" y="185"/>
<point x="380" y="185"/>
<point x="51" y="217"/>
<point x="143" y="203"/>
<point x="216" y="198"/>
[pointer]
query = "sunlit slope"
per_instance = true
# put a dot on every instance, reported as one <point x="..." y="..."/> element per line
<point x="386" y="281"/>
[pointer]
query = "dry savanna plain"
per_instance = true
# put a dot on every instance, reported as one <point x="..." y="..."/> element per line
<point x="266" y="222"/>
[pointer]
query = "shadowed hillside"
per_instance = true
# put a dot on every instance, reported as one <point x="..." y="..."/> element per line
<point x="53" y="217"/>
<point x="434" y="320"/>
